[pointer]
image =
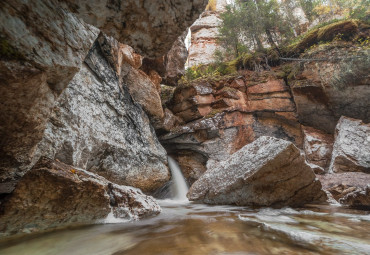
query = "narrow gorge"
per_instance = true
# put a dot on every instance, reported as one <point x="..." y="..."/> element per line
<point x="132" y="127"/>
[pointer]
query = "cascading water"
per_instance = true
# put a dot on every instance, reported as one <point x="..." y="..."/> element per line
<point x="179" y="188"/>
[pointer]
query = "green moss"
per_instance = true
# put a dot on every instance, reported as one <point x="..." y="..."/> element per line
<point x="345" y="29"/>
<point x="8" y="52"/>
<point x="338" y="30"/>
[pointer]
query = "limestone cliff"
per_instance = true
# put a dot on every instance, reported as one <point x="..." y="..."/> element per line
<point x="204" y="34"/>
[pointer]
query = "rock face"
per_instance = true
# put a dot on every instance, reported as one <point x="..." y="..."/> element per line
<point x="96" y="126"/>
<point x="221" y="116"/>
<point x="318" y="147"/>
<point x="204" y="34"/>
<point x="351" y="151"/>
<point x="43" y="45"/>
<point x="350" y="188"/>
<point x="54" y="194"/>
<point x="324" y="92"/>
<point x="138" y="23"/>
<point x="175" y="61"/>
<point x="267" y="172"/>
<point x="42" y="48"/>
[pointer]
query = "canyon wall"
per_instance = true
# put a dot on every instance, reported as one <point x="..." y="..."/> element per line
<point x="44" y="45"/>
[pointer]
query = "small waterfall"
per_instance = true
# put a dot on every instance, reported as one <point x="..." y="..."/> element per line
<point x="179" y="188"/>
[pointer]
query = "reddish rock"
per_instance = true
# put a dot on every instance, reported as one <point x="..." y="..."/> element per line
<point x="268" y="87"/>
<point x="228" y="92"/>
<point x="54" y="194"/>
<point x="351" y="150"/>
<point x="194" y="113"/>
<point x="156" y="79"/>
<point x="183" y="93"/>
<point x="195" y="100"/>
<point x="144" y="92"/>
<point x="129" y="56"/>
<point x="238" y="84"/>
<point x="271" y="104"/>
<point x="318" y="146"/>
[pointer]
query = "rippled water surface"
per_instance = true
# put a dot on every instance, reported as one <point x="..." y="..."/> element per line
<point x="185" y="228"/>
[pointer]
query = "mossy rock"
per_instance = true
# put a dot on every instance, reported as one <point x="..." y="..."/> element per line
<point x="344" y="29"/>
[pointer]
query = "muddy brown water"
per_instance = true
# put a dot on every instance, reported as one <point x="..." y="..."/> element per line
<point x="187" y="228"/>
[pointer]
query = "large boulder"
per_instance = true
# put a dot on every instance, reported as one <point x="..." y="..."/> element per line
<point x="351" y="150"/>
<point x="54" y="194"/>
<point x="350" y="188"/>
<point x="150" y="27"/>
<point x="97" y="126"/>
<point x="267" y="172"/>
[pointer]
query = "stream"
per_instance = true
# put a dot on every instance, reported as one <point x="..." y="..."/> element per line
<point x="188" y="228"/>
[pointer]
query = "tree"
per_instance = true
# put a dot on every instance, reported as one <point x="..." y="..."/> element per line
<point x="251" y="22"/>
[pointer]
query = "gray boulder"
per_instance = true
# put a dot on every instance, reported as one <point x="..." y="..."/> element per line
<point x="53" y="194"/>
<point x="267" y="172"/>
<point x="351" y="150"/>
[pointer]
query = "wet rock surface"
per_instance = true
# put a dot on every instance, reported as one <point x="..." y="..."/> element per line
<point x="267" y="172"/>
<point x="351" y="150"/>
<point x="54" y="194"/>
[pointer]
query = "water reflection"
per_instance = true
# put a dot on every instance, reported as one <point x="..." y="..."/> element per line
<point x="198" y="229"/>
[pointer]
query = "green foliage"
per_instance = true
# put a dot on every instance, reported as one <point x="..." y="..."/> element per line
<point x="210" y="70"/>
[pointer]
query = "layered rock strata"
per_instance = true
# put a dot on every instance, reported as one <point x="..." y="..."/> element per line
<point x="221" y="116"/>
<point x="267" y="172"/>
<point x="54" y="194"/>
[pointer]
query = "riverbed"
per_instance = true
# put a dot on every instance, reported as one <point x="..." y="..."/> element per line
<point x="188" y="228"/>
